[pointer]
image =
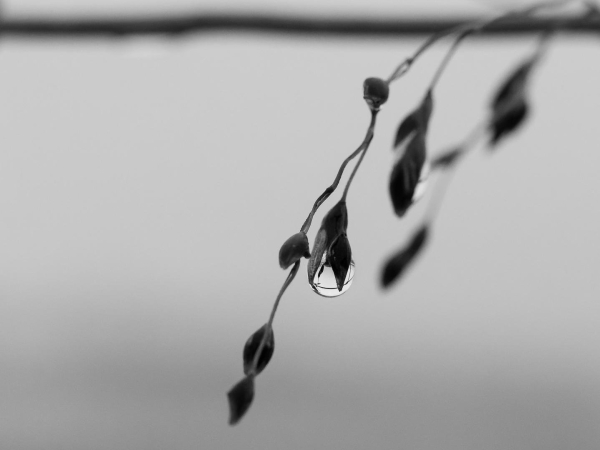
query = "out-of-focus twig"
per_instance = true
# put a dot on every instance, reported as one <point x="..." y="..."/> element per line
<point x="174" y="25"/>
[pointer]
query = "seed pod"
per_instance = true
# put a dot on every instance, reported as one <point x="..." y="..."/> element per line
<point x="376" y="92"/>
<point x="251" y="347"/>
<point x="295" y="248"/>
<point x="240" y="398"/>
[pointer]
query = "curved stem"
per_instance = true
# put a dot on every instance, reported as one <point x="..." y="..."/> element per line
<point x="469" y="28"/>
<point x="325" y="195"/>
<point x="365" y="145"/>
<point x="447" y="58"/>
<point x="269" y="329"/>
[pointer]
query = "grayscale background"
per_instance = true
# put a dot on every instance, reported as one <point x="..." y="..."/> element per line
<point x="146" y="186"/>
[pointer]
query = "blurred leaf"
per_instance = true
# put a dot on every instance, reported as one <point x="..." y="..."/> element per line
<point x="509" y="106"/>
<point x="508" y="122"/>
<point x="415" y="121"/>
<point x="340" y="257"/>
<point x="295" y="248"/>
<point x="398" y="263"/>
<point x="251" y="348"/>
<point x="240" y="398"/>
<point x="447" y="159"/>
<point x="406" y="173"/>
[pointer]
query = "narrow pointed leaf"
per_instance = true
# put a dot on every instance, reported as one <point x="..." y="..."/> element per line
<point x="240" y="398"/>
<point x="340" y="257"/>
<point x="295" y="248"/>
<point x="409" y="125"/>
<point x="251" y="348"/>
<point x="405" y="174"/>
<point x="319" y="249"/>
<point x="398" y="263"/>
<point x="418" y="120"/>
<point x="514" y="85"/>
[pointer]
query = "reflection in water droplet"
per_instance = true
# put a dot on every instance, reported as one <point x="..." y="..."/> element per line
<point x="422" y="183"/>
<point x="324" y="282"/>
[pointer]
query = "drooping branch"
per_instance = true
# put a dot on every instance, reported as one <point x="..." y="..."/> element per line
<point x="197" y="23"/>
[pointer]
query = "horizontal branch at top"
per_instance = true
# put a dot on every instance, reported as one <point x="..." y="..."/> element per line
<point x="278" y="24"/>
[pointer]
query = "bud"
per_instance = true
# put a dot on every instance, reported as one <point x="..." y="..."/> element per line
<point x="376" y="92"/>
<point x="293" y="249"/>
<point x="251" y="348"/>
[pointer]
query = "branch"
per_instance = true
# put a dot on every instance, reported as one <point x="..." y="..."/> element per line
<point x="37" y="28"/>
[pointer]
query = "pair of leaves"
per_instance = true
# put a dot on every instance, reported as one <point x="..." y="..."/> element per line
<point x="332" y="246"/>
<point x="410" y="144"/>
<point x="509" y="105"/>
<point x="241" y="395"/>
<point x="399" y="262"/>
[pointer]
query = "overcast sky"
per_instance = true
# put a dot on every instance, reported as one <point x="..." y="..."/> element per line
<point x="146" y="187"/>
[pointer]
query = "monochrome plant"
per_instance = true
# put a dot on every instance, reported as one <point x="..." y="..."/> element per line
<point x="330" y="267"/>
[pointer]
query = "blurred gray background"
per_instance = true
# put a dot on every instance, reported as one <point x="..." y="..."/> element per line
<point x="147" y="184"/>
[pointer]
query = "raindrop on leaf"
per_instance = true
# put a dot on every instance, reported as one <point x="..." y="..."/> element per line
<point x="325" y="283"/>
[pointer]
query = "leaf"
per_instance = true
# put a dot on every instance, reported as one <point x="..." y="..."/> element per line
<point x="398" y="263"/>
<point x="251" y="347"/>
<point x="333" y="225"/>
<point x="340" y="257"/>
<point x="295" y="248"/>
<point x="508" y="122"/>
<point x="509" y="106"/>
<point x="447" y="159"/>
<point x="514" y="85"/>
<point x="418" y="120"/>
<point x="405" y="174"/>
<point x="240" y="398"/>
<point x="319" y="249"/>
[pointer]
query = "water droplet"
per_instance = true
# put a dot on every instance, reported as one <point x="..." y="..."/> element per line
<point x="422" y="183"/>
<point x="324" y="282"/>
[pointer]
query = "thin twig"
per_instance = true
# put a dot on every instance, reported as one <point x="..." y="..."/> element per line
<point x="284" y="24"/>
<point x="365" y="145"/>
<point x="325" y="195"/>
<point x="269" y="328"/>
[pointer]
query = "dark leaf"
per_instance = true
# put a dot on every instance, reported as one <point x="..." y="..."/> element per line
<point x="408" y="126"/>
<point x="398" y="263"/>
<point x="295" y="248"/>
<point x="340" y="257"/>
<point x="418" y="120"/>
<point x="319" y="248"/>
<point x="376" y="92"/>
<point x="335" y="221"/>
<point x="514" y="86"/>
<point x="251" y="348"/>
<point x="405" y="174"/>
<point x="447" y="159"/>
<point x="508" y="122"/>
<point x="240" y="398"/>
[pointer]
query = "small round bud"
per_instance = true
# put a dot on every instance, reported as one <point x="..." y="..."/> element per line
<point x="295" y="248"/>
<point x="376" y="92"/>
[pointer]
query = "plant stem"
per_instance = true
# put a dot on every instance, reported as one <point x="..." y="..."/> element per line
<point x="365" y="145"/>
<point x="325" y="195"/>
<point x="269" y="328"/>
